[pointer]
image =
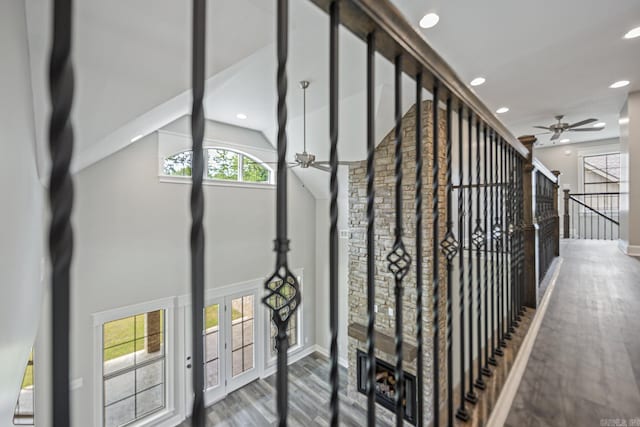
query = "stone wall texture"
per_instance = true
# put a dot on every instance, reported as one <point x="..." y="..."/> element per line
<point x="384" y="239"/>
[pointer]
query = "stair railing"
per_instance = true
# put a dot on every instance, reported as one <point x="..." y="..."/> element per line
<point x="591" y="215"/>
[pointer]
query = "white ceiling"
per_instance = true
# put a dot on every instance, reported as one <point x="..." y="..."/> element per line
<point x="132" y="62"/>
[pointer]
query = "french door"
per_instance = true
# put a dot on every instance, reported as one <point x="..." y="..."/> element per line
<point x="230" y="344"/>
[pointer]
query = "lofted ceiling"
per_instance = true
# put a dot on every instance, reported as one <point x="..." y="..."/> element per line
<point x="132" y="63"/>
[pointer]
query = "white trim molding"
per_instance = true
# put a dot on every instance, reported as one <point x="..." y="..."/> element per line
<point x="627" y="249"/>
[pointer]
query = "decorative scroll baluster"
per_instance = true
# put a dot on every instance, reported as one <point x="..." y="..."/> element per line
<point x="197" y="211"/>
<point x="371" y="261"/>
<point x="478" y="243"/>
<point x="486" y="224"/>
<point x="512" y="226"/>
<point x="283" y="290"/>
<point x="435" y="262"/>
<point x="61" y="89"/>
<point x="449" y="246"/>
<point x="334" y="12"/>
<point x="471" y="395"/>
<point x="419" y="282"/>
<point x="399" y="259"/>
<point x="461" y="413"/>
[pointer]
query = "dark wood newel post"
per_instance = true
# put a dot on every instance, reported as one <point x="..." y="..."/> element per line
<point x="530" y="288"/>
<point x="556" y="214"/>
<point x="567" y="219"/>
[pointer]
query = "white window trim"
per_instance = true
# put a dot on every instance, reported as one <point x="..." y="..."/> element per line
<point x="164" y="416"/>
<point x="181" y="143"/>
<point x="598" y="151"/>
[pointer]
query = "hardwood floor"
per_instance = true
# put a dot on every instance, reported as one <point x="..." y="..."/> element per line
<point x="584" y="369"/>
<point x="254" y="404"/>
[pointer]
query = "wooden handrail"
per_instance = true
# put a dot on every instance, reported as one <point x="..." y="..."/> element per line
<point x="394" y="35"/>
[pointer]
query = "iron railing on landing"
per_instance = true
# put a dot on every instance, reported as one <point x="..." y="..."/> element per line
<point x="591" y="216"/>
<point x="492" y="219"/>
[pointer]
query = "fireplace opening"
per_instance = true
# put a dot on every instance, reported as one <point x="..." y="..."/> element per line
<point x="386" y="386"/>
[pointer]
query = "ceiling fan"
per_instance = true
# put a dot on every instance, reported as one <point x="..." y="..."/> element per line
<point x="558" y="128"/>
<point x="306" y="160"/>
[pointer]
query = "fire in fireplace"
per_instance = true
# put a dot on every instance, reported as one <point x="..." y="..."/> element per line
<point x="386" y="386"/>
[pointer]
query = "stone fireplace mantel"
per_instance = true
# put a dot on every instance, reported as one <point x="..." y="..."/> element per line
<point x="384" y="343"/>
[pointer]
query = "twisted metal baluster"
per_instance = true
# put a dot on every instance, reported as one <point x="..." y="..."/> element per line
<point x="471" y="395"/>
<point x="479" y="241"/>
<point x="197" y="210"/>
<point x="498" y="236"/>
<point x="487" y="224"/>
<point x="461" y="413"/>
<point x="419" y="283"/>
<point x="449" y="247"/>
<point x="61" y="89"/>
<point x="506" y="228"/>
<point x="283" y="290"/>
<point x="436" y="262"/>
<point x="399" y="259"/>
<point x="371" y="261"/>
<point x="333" y="230"/>
<point x="492" y="240"/>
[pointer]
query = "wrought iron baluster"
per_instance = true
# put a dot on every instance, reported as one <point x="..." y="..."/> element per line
<point x="419" y="282"/>
<point x="478" y="242"/>
<point x="371" y="260"/>
<point x="492" y="240"/>
<point x="506" y="218"/>
<point x="449" y="246"/>
<point x="197" y="211"/>
<point x="282" y="288"/>
<point x="471" y="395"/>
<point x="334" y="12"/>
<point x="520" y="207"/>
<point x="498" y="237"/>
<point x="61" y="90"/>
<point x="461" y="413"/>
<point x="436" y="262"/>
<point x="512" y="226"/>
<point x="399" y="259"/>
<point x="486" y="224"/>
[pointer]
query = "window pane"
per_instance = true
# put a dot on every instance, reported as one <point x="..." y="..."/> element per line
<point x="149" y="375"/>
<point x="120" y="413"/>
<point x="212" y="373"/>
<point x="236" y="362"/>
<point x="119" y="387"/>
<point x="178" y="164"/>
<point x="118" y="357"/>
<point x="118" y="331"/>
<point x="222" y="164"/>
<point x="253" y="171"/>
<point x="23" y="414"/>
<point x="248" y="357"/>
<point x="150" y="400"/>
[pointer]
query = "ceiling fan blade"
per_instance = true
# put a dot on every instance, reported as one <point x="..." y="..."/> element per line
<point x="541" y="133"/>
<point x="585" y="130"/>
<point x="542" y="127"/>
<point x="344" y="163"/>
<point x="319" y="167"/>
<point x="555" y="136"/>
<point x="582" y="123"/>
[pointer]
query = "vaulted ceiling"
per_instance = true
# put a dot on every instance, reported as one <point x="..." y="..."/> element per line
<point x="132" y="63"/>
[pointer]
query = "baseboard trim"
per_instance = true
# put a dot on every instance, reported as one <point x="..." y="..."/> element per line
<point x="323" y="351"/>
<point x="505" y="400"/>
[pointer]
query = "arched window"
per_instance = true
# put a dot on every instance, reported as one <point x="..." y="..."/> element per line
<point x="221" y="164"/>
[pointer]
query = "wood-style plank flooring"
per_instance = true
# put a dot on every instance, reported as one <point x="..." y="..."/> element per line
<point x="584" y="368"/>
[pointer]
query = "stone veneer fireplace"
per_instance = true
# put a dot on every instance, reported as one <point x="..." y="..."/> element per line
<point x="384" y="225"/>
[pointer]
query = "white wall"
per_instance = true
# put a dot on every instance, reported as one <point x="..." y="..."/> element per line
<point x="323" y="332"/>
<point x="21" y="216"/>
<point x="630" y="179"/>
<point x="133" y="241"/>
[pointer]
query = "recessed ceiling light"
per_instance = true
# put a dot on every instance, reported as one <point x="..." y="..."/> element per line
<point x="502" y="110"/>
<point x="429" y="20"/>
<point x="621" y="83"/>
<point x="567" y="152"/>
<point x="565" y="140"/>
<point x="623" y="121"/>
<point x="600" y="125"/>
<point x="477" y="81"/>
<point x="633" y="33"/>
<point x="241" y="116"/>
<point x="137" y="138"/>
